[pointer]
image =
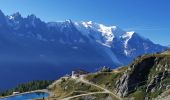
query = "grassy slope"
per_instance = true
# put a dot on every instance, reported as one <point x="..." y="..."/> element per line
<point x="96" y="97"/>
<point x="66" y="87"/>
<point x="106" y="80"/>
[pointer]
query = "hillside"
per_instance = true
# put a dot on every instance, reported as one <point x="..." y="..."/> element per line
<point x="146" y="78"/>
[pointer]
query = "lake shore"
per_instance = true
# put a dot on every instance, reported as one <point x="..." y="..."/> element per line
<point x="44" y="91"/>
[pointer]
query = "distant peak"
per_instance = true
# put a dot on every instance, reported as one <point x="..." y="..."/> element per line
<point x="2" y="18"/>
<point x="32" y="16"/>
<point x="68" y="20"/>
<point x="89" y="22"/>
<point x="110" y="27"/>
<point x="1" y="13"/>
<point x="16" y="15"/>
<point x="131" y="33"/>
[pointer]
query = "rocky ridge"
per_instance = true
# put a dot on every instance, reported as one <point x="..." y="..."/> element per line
<point x="148" y="74"/>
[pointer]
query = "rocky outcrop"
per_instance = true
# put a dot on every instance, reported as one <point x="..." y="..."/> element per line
<point x="135" y="76"/>
<point x="156" y="80"/>
<point x="148" y="71"/>
<point x="164" y="96"/>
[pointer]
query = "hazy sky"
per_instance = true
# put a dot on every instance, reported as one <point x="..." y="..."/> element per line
<point x="150" y="18"/>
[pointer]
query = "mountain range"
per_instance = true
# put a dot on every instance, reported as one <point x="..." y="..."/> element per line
<point x="64" y="45"/>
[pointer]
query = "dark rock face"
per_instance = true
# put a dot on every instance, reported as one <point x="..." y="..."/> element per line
<point x="135" y="78"/>
<point x="148" y="72"/>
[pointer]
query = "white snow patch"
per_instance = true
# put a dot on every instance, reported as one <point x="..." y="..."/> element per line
<point x="127" y="37"/>
<point x="101" y="32"/>
<point x="107" y="32"/>
<point x="11" y="17"/>
<point x="82" y="28"/>
<point x="104" y="35"/>
<point x="87" y="24"/>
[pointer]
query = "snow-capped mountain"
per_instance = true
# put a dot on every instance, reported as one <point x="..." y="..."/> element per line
<point x="55" y="48"/>
<point x="125" y="45"/>
<point x="107" y="44"/>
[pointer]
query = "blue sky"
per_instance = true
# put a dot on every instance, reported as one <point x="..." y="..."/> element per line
<point x="150" y="18"/>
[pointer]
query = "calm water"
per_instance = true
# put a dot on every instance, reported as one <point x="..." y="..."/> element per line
<point x="28" y="96"/>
